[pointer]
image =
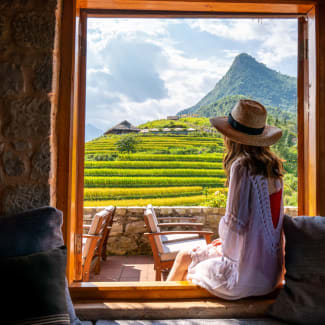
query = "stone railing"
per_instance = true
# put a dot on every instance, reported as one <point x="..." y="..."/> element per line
<point x="126" y="237"/>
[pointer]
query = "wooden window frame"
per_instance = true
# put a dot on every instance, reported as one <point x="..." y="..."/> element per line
<point x="71" y="119"/>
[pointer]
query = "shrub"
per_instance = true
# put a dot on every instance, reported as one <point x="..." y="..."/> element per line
<point x="217" y="199"/>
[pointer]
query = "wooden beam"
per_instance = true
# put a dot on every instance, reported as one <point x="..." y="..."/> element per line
<point x="137" y="290"/>
<point x="64" y="200"/>
<point x="140" y="290"/>
<point x="173" y="309"/>
<point x="321" y="111"/>
<point x="279" y="7"/>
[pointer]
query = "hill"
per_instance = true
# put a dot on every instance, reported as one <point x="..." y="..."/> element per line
<point x="200" y="124"/>
<point x="250" y="79"/>
<point x="91" y="132"/>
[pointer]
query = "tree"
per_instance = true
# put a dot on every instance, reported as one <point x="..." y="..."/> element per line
<point x="127" y="143"/>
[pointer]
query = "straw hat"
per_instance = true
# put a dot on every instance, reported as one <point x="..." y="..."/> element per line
<point x="246" y="124"/>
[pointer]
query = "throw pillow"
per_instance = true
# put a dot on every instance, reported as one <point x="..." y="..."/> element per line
<point x="34" y="231"/>
<point x="33" y="288"/>
<point x="302" y="299"/>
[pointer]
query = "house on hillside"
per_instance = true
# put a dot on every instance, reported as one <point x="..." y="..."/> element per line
<point x="174" y="117"/>
<point x="123" y="128"/>
<point x="154" y="130"/>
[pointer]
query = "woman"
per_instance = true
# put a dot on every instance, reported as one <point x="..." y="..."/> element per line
<point x="247" y="259"/>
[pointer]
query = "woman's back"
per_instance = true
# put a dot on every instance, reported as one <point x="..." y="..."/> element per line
<point x="252" y="260"/>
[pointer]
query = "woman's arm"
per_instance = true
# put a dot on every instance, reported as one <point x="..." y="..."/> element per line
<point x="233" y="225"/>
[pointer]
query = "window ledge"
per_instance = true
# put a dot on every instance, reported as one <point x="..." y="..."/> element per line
<point x="159" y="300"/>
<point x="173" y="309"/>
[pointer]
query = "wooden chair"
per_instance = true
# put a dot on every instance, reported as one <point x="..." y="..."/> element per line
<point x="95" y="240"/>
<point x="166" y="244"/>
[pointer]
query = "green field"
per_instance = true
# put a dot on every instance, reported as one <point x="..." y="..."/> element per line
<point x="169" y="169"/>
<point x="165" y="170"/>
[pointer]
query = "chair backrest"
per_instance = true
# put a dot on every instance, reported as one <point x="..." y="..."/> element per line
<point x="101" y="220"/>
<point x="95" y="227"/>
<point x="152" y="223"/>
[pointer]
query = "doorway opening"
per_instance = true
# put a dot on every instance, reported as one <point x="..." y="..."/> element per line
<point x="151" y="86"/>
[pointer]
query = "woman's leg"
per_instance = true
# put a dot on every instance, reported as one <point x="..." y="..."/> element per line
<point x="179" y="270"/>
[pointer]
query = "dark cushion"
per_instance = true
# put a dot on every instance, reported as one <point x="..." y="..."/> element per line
<point x="34" y="231"/>
<point x="302" y="299"/>
<point x="33" y="287"/>
<point x="30" y="232"/>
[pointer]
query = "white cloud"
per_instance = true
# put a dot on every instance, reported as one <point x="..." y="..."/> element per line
<point x="239" y="29"/>
<point x="277" y="37"/>
<point x="102" y="31"/>
<point x="186" y="76"/>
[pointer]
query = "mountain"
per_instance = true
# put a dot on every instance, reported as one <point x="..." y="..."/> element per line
<point x="91" y="132"/>
<point x="250" y="79"/>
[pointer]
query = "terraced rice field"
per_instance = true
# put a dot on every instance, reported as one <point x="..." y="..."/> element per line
<point x="144" y="177"/>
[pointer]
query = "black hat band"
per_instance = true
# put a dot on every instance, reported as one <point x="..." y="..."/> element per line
<point x="242" y="128"/>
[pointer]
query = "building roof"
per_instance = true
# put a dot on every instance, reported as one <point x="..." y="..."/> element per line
<point x="123" y="126"/>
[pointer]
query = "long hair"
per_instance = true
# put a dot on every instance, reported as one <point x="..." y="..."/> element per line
<point x="259" y="160"/>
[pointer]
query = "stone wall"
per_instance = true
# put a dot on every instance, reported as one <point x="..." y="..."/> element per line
<point x="126" y="237"/>
<point x="28" y="97"/>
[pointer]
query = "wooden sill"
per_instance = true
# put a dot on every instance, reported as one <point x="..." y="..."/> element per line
<point x="159" y="300"/>
<point x="172" y="309"/>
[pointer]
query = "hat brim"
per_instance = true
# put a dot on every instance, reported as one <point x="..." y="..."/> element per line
<point x="270" y="135"/>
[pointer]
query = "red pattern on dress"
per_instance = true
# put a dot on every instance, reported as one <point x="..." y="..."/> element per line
<point x="275" y="204"/>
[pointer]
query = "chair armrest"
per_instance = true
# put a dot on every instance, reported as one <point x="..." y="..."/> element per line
<point x="91" y="236"/>
<point x="206" y="234"/>
<point x="178" y="218"/>
<point x="184" y="224"/>
<point x="199" y="232"/>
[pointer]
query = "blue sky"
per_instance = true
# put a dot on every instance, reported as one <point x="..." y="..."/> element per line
<point x="145" y="69"/>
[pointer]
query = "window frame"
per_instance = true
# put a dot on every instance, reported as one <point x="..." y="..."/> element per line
<point x="70" y="121"/>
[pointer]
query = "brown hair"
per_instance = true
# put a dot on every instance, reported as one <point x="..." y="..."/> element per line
<point x="259" y="160"/>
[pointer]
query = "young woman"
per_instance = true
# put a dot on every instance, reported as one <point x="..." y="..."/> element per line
<point x="248" y="258"/>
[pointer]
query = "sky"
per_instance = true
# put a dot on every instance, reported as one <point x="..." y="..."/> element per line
<point x="146" y="69"/>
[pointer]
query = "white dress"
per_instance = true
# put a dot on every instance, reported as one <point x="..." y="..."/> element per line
<point x="250" y="260"/>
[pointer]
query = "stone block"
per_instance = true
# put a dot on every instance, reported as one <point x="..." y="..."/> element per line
<point x="135" y="210"/>
<point x="116" y="229"/>
<point x="43" y="72"/>
<point x="27" y="117"/>
<point x="4" y="26"/>
<point x="120" y="211"/>
<point x="24" y="197"/>
<point x="41" y="161"/>
<point x="213" y="220"/>
<point x="22" y="145"/>
<point x="136" y="227"/>
<point x="13" y="165"/>
<point x="2" y="147"/>
<point x="34" y="29"/>
<point x="11" y="79"/>
<point x="181" y="211"/>
<point x="13" y="4"/>
<point x="49" y="5"/>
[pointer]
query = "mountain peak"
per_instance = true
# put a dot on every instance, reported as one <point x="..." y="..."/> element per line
<point x="244" y="58"/>
<point x="252" y="79"/>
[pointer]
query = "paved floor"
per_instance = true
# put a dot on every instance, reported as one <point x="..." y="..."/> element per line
<point x="125" y="268"/>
